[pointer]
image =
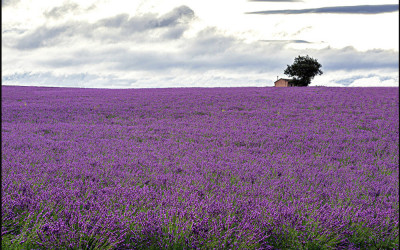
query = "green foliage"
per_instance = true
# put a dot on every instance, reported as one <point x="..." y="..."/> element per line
<point x="22" y="232"/>
<point x="303" y="70"/>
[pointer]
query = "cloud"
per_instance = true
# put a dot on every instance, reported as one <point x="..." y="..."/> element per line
<point x="358" y="9"/>
<point x="211" y="49"/>
<point x="275" y="1"/>
<point x="212" y="78"/>
<point x="285" y="41"/>
<point x="43" y="37"/>
<point x="349" y="58"/>
<point x="374" y="82"/>
<point x="302" y="30"/>
<point x="150" y="50"/>
<point x="353" y="78"/>
<point x="5" y="3"/>
<point x="58" y="12"/>
<point x="66" y="80"/>
<point x="179" y="15"/>
<point x="114" y="29"/>
<point x="85" y="80"/>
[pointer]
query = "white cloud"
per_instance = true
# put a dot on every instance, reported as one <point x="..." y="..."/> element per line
<point x="375" y="82"/>
<point x="141" y="44"/>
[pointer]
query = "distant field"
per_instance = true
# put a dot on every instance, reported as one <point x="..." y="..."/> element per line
<point x="223" y="168"/>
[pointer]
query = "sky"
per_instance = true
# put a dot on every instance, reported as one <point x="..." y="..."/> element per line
<point x="207" y="43"/>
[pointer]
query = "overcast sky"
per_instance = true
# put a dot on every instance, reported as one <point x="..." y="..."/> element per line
<point x="207" y="43"/>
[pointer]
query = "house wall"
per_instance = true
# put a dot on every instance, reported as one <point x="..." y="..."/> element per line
<point x="281" y="83"/>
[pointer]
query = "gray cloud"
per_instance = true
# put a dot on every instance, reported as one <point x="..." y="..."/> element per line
<point x="44" y="37"/>
<point x="131" y="57"/>
<point x="174" y="33"/>
<point x="13" y="30"/>
<point x="210" y="41"/>
<point x="70" y="80"/>
<point x="212" y="50"/>
<point x="114" y="29"/>
<point x="285" y="41"/>
<point x="48" y="79"/>
<point x="60" y="11"/>
<point x="250" y="57"/>
<point x="208" y="50"/>
<point x="302" y="30"/>
<point x="180" y="15"/>
<point x="349" y="59"/>
<point x="359" y="9"/>
<point x="349" y="80"/>
<point x="5" y="3"/>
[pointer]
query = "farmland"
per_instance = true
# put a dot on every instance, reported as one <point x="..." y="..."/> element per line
<point x="194" y="168"/>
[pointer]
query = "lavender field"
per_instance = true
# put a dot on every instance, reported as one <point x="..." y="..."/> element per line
<point x="217" y="168"/>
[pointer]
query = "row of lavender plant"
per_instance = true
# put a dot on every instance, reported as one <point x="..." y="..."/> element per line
<point x="223" y="168"/>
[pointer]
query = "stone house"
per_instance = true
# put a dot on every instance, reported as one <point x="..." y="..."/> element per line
<point x="283" y="83"/>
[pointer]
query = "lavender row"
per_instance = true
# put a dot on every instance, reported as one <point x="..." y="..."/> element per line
<point x="234" y="168"/>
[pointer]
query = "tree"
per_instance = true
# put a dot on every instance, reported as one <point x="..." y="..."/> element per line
<point x="303" y="70"/>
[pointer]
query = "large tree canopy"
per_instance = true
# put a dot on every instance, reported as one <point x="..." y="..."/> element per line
<point x="303" y="70"/>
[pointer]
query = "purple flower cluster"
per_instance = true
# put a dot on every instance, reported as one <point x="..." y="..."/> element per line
<point x="193" y="168"/>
